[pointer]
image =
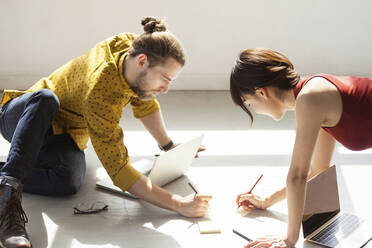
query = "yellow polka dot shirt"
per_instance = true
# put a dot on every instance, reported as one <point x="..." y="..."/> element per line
<point x="92" y="93"/>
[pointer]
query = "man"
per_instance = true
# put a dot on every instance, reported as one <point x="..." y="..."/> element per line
<point x="49" y="125"/>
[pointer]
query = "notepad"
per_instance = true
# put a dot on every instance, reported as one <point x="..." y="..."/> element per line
<point x="209" y="226"/>
<point x="242" y="211"/>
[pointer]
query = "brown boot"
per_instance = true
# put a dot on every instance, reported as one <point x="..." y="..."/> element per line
<point x="12" y="217"/>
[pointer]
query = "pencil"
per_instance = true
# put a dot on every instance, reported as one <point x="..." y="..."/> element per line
<point x="250" y="192"/>
<point x="255" y="184"/>
<point x="193" y="188"/>
<point x="242" y="236"/>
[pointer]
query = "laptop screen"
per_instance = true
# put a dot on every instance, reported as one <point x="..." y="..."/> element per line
<point x="321" y="202"/>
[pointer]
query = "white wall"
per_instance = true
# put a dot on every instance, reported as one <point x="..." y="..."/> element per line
<point x="331" y="36"/>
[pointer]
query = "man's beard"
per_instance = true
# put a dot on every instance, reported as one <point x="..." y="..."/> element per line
<point x="140" y="82"/>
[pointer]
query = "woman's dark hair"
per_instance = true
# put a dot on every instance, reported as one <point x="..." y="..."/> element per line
<point x="157" y="43"/>
<point x="257" y="68"/>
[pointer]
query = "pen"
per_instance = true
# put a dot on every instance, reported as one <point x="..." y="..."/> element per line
<point x="249" y="192"/>
<point x="242" y="236"/>
<point x="193" y="188"/>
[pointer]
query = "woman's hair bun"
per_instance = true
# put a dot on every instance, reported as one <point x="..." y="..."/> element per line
<point x="151" y="24"/>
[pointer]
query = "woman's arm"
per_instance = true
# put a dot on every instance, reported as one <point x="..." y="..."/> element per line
<point x="321" y="160"/>
<point x="316" y="105"/>
<point x="308" y="120"/>
<point x="319" y="103"/>
<point x="323" y="153"/>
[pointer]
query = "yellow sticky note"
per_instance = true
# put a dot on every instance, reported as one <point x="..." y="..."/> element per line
<point x="209" y="226"/>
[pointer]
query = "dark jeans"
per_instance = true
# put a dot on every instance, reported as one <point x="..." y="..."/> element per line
<point x="47" y="164"/>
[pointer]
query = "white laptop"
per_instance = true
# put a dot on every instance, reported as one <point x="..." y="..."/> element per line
<point x="323" y="222"/>
<point x="166" y="168"/>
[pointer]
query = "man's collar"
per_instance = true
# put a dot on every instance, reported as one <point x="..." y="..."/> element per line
<point x="122" y="78"/>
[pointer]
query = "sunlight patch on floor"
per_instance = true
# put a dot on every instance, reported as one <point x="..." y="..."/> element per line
<point x="343" y="150"/>
<point x="77" y="244"/>
<point x="218" y="143"/>
<point x="51" y="227"/>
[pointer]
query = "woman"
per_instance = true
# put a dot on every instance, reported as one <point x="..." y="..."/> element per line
<point x="327" y="108"/>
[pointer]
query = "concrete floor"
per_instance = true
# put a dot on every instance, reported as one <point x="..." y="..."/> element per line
<point x="236" y="155"/>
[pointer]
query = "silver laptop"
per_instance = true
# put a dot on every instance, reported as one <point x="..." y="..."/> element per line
<point x="166" y="168"/>
<point x="323" y="223"/>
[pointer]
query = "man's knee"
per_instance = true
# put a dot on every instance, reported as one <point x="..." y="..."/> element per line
<point x="74" y="179"/>
<point x="72" y="188"/>
<point x="47" y="99"/>
<point x="60" y="186"/>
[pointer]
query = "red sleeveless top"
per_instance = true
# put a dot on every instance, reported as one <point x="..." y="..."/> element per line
<point x="354" y="130"/>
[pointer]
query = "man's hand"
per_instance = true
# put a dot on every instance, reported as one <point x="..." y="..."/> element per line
<point x="201" y="149"/>
<point x="194" y="205"/>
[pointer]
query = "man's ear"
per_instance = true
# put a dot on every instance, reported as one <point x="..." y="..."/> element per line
<point x="142" y="60"/>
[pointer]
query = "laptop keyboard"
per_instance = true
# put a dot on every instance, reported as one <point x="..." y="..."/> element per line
<point x="340" y="228"/>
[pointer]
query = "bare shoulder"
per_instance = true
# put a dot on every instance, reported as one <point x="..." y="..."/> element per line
<point x="320" y="97"/>
<point x="318" y="85"/>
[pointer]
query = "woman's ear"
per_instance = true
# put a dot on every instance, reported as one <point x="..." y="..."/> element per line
<point x="263" y="92"/>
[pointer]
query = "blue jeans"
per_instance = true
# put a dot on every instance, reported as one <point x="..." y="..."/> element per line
<point x="47" y="164"/>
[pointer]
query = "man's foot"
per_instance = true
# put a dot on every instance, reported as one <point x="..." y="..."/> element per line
<point x="12" y="217"/>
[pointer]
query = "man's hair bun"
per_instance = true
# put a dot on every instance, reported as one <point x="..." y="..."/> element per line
<point x="151" y="24"/>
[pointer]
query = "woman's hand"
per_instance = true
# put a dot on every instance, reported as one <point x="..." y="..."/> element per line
<point x="250" y="202"/>
<point x="270" y="242"/>
<point x="194" y="205"/>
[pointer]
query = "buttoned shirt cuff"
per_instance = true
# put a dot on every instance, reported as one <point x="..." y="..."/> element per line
<point x="126" y="177"/>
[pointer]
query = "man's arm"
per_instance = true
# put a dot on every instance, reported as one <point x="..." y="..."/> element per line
<point x="154" y="123"/>
<point x="189" y="206"/>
